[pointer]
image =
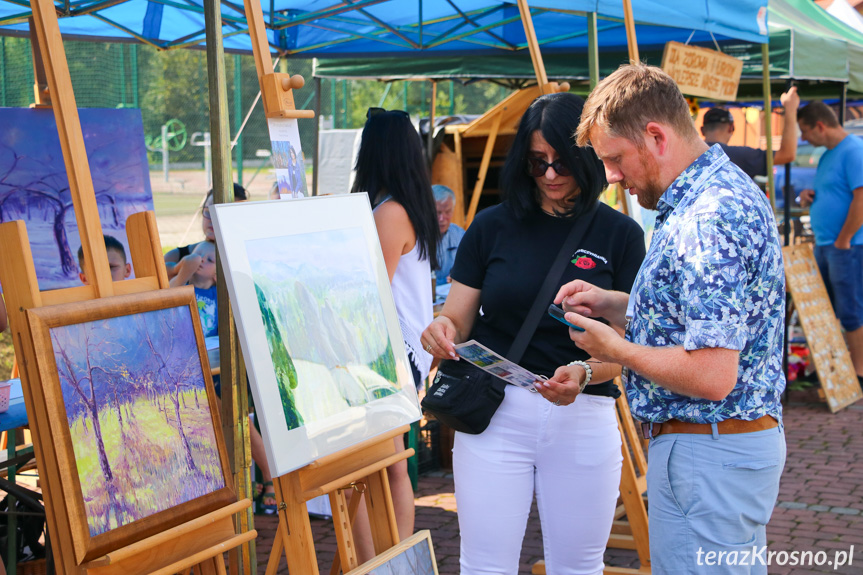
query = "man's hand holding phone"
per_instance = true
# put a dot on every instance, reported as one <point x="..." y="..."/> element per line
<point x="557" y="313"/>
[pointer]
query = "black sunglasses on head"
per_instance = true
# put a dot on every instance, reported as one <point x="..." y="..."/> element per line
<point x="537" y="167"/>
<point x="375" y="111"/>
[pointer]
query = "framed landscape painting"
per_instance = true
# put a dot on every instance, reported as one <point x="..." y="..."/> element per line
<point x="317" y="324"/>
<point x="413" y="556"/>
<point x="134" y="418"/>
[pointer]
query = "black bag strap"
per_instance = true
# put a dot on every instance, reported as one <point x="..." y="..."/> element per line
<point x="551" y="283"/>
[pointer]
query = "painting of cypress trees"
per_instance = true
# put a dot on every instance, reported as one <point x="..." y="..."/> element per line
<point x="324" y="322"/>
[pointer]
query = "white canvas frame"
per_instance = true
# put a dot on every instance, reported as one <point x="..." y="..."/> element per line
<point x="235" y="224"/>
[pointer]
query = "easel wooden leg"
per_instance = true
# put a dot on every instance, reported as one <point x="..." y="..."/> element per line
<point x="297" y="533"/>
<point x="382" y="514"/>
<point x="343" y="520"/>
<point x="276" y="552"/>
<point x="366" y="464"/>
<point x="214" y="566"/>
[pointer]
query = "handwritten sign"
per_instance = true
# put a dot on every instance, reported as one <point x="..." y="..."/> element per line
<point x="702" y="72"/>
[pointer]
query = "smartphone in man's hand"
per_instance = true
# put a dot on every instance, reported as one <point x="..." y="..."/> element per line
<point x="557" y="313"/>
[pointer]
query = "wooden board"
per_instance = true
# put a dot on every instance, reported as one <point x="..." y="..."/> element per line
<point x="702" y="72"/>
<point x="823" y="333"/>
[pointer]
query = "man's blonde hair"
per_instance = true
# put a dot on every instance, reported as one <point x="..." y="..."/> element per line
<point x="635" y="94"/>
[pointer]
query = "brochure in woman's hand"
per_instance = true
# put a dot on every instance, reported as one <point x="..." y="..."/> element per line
<point x="476" y="353"/>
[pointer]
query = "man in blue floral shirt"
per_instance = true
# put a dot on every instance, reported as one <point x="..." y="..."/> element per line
<point x="702" y="352"/>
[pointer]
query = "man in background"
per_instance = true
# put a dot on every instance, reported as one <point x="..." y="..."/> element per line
<point x="836" y="216"/>
<point x="718" y="127"/>
<point x="450" y="233"/>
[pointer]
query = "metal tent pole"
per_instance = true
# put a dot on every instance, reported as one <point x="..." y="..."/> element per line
<point x="238" y="114"/>
<point x="315" y="162"/>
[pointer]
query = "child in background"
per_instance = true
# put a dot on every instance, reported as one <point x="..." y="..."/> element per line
<point x="120" y="268"/>
<point x="198" y="269"/>
<point x="176" y="255"/>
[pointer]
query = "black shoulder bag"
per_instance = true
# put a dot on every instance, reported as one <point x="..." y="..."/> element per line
<point x="465" y="397"/>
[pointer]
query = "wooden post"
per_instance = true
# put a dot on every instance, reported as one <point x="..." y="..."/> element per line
<point x="483" y="168"/>
<point x="459" y="216"/>
<point x="533" y="47"/>
<point x="235" y="411"/>
<point x="631" y="41"/>
<point x="40" y="83"/>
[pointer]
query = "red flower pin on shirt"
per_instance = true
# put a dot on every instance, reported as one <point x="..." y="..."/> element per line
<point x="584" y="262"/>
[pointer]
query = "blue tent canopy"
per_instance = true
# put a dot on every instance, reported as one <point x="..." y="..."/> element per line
<point x="333" y="28"/>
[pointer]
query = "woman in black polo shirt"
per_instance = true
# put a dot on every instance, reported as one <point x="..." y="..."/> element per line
<point x="562" y="445"/>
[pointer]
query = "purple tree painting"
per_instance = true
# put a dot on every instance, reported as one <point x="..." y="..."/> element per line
<point x="138" y="414"/>
<point x="34" y="186"/>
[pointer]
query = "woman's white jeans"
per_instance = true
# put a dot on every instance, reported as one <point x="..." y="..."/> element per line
<point x="569" y="455"/>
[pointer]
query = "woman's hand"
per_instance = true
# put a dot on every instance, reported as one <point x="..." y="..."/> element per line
<point x="438" y="338"/>
<point x="562" y="388"/>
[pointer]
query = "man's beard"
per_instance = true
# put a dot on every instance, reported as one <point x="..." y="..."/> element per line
<point x="652" y="190"/>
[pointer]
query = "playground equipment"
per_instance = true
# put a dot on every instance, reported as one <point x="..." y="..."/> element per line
<point x="172" y="139"/>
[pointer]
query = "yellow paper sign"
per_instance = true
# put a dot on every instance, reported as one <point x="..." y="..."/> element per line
<point x="702" y="72"/>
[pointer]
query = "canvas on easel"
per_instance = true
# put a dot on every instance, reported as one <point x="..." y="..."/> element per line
<point x="317" y="324"/>
<point x="133" y="413"/>
<point x="34" y="186"/>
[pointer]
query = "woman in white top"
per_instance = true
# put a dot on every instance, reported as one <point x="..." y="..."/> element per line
<point x="392" y="169"/>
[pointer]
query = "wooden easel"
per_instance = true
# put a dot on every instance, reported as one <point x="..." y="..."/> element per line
<point x="198" y="543"/>
<point x="364" y="463"/>
<point x="631" y="533"/>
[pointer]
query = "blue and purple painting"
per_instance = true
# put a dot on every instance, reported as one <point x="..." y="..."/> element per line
<point x="34" y="186"/>
<point x="138" y="414"/>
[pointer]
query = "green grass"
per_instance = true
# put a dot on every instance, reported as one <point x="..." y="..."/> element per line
<point x="176" y="204"/>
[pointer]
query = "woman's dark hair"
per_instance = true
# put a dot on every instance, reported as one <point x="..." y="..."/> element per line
<point x="556" y="116"/>
<point x="391" y="163"/>
<point x="240" y="194"/>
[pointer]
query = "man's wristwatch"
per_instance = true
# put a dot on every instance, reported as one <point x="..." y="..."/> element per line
<point x="587" y="371"/>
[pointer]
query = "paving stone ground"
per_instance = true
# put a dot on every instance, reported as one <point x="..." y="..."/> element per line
<point x="820" y="506"/>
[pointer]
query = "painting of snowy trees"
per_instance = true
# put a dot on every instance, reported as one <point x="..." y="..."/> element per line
<point x="317" y="324"/>
<point x="34" y="186"/>
<point x="139" y="409"/>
